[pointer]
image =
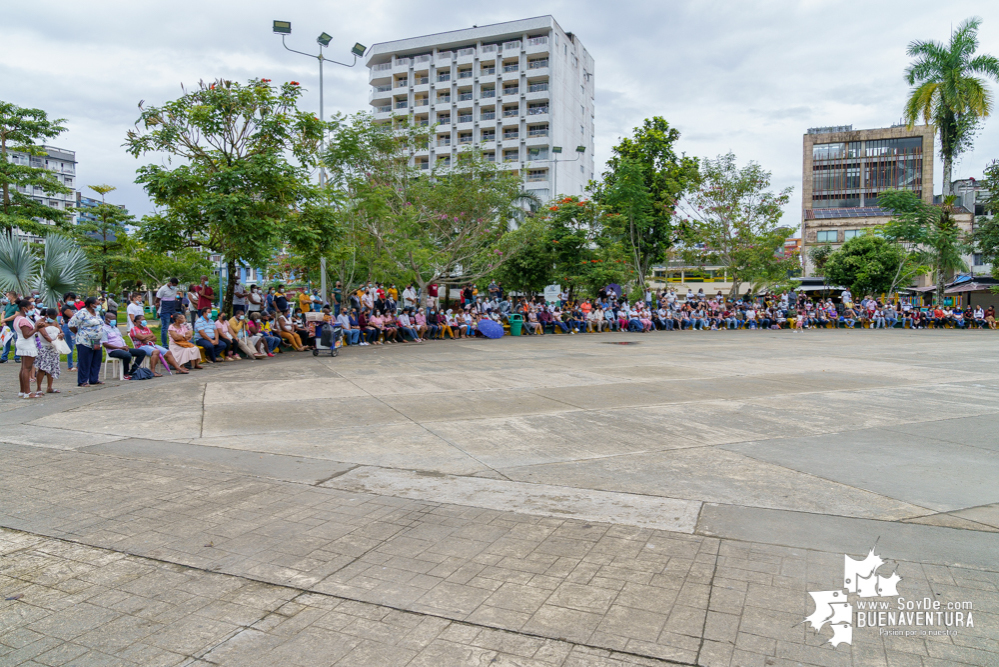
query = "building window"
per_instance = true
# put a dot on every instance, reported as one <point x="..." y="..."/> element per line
<point x="976" y="259"/>
<point x="852" y="234"/>
<point x="828" y="151"/>
<point x="827" y="237"/>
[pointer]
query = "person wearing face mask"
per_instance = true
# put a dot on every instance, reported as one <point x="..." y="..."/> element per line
<point x="254" y="301"/>
<point x="88" y="327"/>
<point x="134" y="307"/>
<point x="47" y="361"/>
<point x="237" y="327"/>
<point x="113" y="342"/>
<point x="145" y="340"/>
<point x="25" y="347"/>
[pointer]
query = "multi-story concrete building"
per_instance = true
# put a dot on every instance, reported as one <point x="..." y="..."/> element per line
<point x="522" y="92"/>
<point x="58" y="160"/>
<point x="844" y="170"/>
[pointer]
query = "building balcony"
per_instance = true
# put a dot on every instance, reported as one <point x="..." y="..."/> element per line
<point x="537" y="87"/>
<point x="443" y="99"/>
<point x="383" y="108"/>
<point x="533" y="140"/>
<point x="402" y="105"/>
<point x="511" y="113"/>
<point x="401" y="64"/>
<point x="466" y="74"/>
<point x="443" y="142"/>
<point x="537" y="178"/>
<point x="508" y="136"/>
<point x="465" y="119"/>
<point x="537" y="96"/>
<point x="487" y="94"/>
<point x="536" y="45"/>
<point x="465" y="97"/>
<point x="487" y="71"/>
<point x="443" y="77"/>
<point x="537" y="111"/>
<point x="421" y="103"/>
<point x="466" y="55"/>
<point x="511" y="91"/>
<point x="487" y="115"/>
<point x="380" y="94"/>
<point x="511" y="46"/>
<point x="425" y="58"/>
<point x="488" y="138"/>
<point x="465" y="140"/>
<point x="402" y="83"/>
<point x="488" y="48"/>
<point x="512" y="67"/>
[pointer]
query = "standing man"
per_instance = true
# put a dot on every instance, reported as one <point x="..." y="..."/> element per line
<point x="239" y="296"/>
<point x="409" y="297"/>
<point x="336" y="298"/>
<point x="167" y="303"/>
<point x="205" y="294"/>
<point x="432" y="295"/>
<point x="9" y="315"/>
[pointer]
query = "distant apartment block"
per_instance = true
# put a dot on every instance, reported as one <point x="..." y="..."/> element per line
<point x="520" y="92"/>
<point x="844" y="170"/>
<point x="58" y="160"/>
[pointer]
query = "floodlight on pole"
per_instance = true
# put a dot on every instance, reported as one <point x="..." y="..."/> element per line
<point x="284" y="28"/>
<point x="558" y="151"/>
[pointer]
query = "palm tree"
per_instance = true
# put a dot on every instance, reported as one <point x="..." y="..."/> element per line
<point x="946" y="91"/>
<point x="62" y="268"/>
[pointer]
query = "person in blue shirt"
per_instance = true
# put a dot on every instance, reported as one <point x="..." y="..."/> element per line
<point x="205" y="335"/>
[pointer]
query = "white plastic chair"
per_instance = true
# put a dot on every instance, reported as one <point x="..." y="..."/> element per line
<point x="116" y="368"/>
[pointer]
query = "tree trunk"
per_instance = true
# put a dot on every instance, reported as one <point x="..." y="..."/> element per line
<point x="941" y="282"/>
<point x="948" y="187"/>
<point x="230" y="286"/>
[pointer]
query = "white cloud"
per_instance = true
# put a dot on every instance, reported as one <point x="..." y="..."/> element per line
<point x="750" y="77"/>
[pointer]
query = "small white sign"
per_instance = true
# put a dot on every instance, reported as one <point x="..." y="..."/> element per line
<point x="552" y="292"/>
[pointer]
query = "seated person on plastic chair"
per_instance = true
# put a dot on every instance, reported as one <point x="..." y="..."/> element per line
<point x="145" y="340"/>
<point x="115" y="345"/>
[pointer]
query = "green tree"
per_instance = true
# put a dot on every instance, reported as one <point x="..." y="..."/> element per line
<point x="867" y="264"/>
<point x="986" y="234"/>
<point x="819" y="256"/>
<point x="644" y="182"/>
<point x="451" y="224"/>
<point x="21" y="130"/>
<point x="103" y="237"/>
<point x="930" y="230"/>
<point x="236" y="180"/>
<point x="531" y="266"/>
<point x="62" y="268"/>
<point x="734" y="221"/>
<point x="946" y="91"/>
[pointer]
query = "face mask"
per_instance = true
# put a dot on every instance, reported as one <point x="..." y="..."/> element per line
<point x="50" y="319"/>
<point x="143" y="322"/>
<point x="241" y="317"/>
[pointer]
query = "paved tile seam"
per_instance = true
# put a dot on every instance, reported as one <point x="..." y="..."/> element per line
<point x="298" y="593"/>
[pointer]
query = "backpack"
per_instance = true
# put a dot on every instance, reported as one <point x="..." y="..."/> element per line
<point x="142" y="374"/>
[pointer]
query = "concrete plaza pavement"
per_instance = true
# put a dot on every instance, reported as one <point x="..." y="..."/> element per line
<point x="563" y="500"/>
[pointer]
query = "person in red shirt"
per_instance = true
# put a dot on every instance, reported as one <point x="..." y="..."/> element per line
<point x="204" y="292"/>
<point x="432" y="295"/>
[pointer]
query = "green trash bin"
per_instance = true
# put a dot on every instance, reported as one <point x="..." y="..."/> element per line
<point x="516" y="323"/>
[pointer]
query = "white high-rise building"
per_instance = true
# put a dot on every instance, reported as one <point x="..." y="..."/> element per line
<point x="58" y="160"/>
<point x="521" y="92"/>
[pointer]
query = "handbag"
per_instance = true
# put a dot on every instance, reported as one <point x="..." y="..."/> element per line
<point x="183" y="343"/>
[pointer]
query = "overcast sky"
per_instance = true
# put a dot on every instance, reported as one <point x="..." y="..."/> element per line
<point x="748" y="76"/>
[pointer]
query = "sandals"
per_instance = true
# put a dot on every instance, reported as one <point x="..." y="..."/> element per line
<point x="53" y="391"/>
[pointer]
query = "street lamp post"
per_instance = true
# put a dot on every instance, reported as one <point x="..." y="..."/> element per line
<point x="284" y="28"/>
<point x="558" y="150"/>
